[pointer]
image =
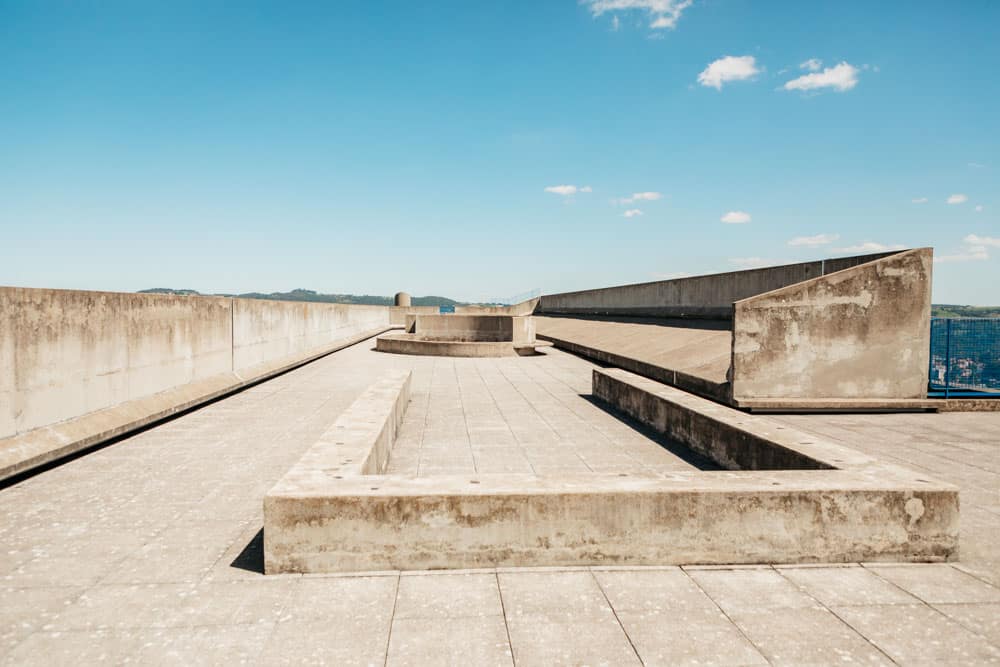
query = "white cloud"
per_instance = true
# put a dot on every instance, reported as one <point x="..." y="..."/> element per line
<point x="958" y="199"/>
<point x="979" y="208"/>
<point x="662" y="13"/>
<point x="729" y="68"/>
<point x="752" y="262"/>
<point x="972" y="239"/>
<point x="632" y="212"/>
<point x="567" y="190"/>
<point x="870" y="246"/>
<point x="640" y="196"/>
<point x="735" y="217"/>
<point x="615" y="23"/>
<point x="971" y="254"/>
<point x="977" y="165"/>
<point x="813" y="64"/>
<point x="840" y="77"/>
<point x="813" y="241"/>
<point x="976" y="250"/>
<point x="919" y="200"/>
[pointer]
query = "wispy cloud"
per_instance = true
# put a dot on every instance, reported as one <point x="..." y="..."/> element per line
<point x="979" y="208"/>
<point x="632" y="212"/>
<point x="736" y="218"/>
<point x="640" y="196"/>
<point x="813" y="65"/>
<point x="752" y="262"/>
<point x="975" y="240"/>
<point x="977" y="165"/>
<point x="869" y="246"/>
<point x="662" y="13"/>
<point x="813" y="241"/>
<point x="840" y="77"/>
<point x="567" y="190"/>
<point x="919" y="200"/>
<point x="728" y="68"/>
<point x="957" y="199"/>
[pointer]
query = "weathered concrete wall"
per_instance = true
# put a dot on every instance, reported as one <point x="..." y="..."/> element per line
<point x="79" y="367"/>
<point x="523" y="308"/>
<point x="67" y="353"/>
<point x="267" y="330"/>
<point x="700" y="297"/>
<point x="863" y="332"/>
<point x="398" y="313"/>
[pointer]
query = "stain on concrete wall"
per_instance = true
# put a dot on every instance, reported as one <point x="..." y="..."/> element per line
<point x="859" y="333"/>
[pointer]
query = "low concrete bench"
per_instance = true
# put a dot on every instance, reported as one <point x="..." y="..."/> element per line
<point x="356" y="446"/>
<point x="335" y="512"/>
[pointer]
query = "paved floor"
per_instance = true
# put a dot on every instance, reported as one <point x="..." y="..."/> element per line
<point x="701" y="348"/>
<point x="148" y="551"/>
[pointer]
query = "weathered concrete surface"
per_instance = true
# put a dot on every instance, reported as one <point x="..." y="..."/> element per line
<point x="145" y="552"/>
<point x="698" y="297"/>
<point x="863" y="332"/>
<point x="82" y="367"/>
<point x="420" y="345"/>
<point x="358" y="444"/>
<point x="840" y="505"/>
<point x="463" y="336"/>
<point x="692" y="355"/>
<point x="401" y="299"/>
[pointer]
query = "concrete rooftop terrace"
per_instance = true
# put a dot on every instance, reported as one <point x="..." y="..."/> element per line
<point x="148" y="550"/>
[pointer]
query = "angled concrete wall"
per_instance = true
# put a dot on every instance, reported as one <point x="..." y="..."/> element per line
<point x="863" y="332"/>
<point x="700" y="297"/>
<point x="80" y="367"/>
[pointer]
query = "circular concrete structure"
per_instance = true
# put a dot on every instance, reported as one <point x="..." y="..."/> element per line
<point x="413" y="344"/>
<point x="402" y="299"/>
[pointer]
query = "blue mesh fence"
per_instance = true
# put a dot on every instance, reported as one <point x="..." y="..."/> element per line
<point x="965" y="356"/>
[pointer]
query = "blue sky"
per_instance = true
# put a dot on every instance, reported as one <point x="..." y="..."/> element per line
<point x="370" y="147"/>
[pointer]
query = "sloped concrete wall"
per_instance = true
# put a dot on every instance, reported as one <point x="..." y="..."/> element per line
<point x="67" y="353"/>
<point x="863" y="332"/>
<point x="700" y="297"/>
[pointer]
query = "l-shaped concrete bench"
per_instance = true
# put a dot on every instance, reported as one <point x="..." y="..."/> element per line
<point x="784" y="497"/>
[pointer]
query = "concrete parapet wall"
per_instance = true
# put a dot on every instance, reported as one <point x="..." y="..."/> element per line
<point x="79" y="367"/>
<point x="863" y="332"/>
<point x="699" y="297"/>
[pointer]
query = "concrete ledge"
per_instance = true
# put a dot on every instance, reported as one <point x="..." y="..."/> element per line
<point x="718" y="391"/>
<point x="837" y="404"/>
<point x="415" y="344"/>
<point x="839" y="506"/>
<point x="358" y="444"/>
<point x="35" y="448"/>
<point x="967" y="404"/>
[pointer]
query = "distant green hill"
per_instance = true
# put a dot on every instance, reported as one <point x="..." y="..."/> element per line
<point x="949" y="310"/>
<point x="312" y="295"/>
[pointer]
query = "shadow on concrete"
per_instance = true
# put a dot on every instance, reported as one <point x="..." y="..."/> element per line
<point x="251" y="558"/>
<point x="680" y="450"/>
<point x="672" y="322"/>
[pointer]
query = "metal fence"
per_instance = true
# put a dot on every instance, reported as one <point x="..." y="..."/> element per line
<point x="965" y="357"/>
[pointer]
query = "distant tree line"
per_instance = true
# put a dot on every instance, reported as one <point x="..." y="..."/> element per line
<point x="948" y="310"/>
<point x="312" y="295"/>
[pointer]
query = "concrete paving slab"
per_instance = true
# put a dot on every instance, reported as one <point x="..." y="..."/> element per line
<point x="938" y="585"/>
<point x="919" y="635"/>
<point x="841" y="586"/>
<point x="688" y="635"/>
<point x="466" y="640"/>
<point x="751" y="590"/>
<point x="542" y="642"/>
<point x="448" y="596"/>
<point x="982" y="619"/>
<point x="806" y="636"/>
